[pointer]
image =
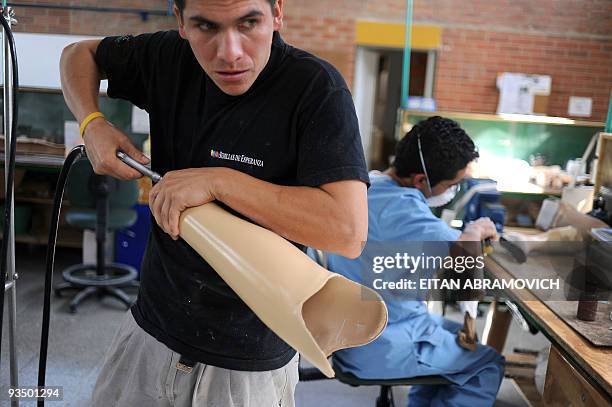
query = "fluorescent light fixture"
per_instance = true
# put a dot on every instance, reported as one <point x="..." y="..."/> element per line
<point x="514" y="117"/>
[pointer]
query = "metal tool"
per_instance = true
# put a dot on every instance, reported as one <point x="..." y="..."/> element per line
<point x="516" y="315"/>
<point x="514" y="249"/>
<point x="155" y="177"/>
<point x="487" y="247"/>
<point x="8" y="279"/>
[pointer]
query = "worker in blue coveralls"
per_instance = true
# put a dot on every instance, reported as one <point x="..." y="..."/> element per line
<point x="430" y="163"/>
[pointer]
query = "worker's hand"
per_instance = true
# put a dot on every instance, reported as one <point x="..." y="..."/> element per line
<point x="479" y="230"/>
<point x="179" y="190"/>
<point x="102" y="140"/>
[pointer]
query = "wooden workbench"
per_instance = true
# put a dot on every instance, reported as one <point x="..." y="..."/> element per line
<point x="587" y="379"/>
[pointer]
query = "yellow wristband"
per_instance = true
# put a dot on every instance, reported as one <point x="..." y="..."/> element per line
<point x="88" y="119"/>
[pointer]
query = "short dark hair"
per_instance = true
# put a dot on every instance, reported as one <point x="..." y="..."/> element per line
<point x="180" y="4"/>
<point x="446" y="148"/>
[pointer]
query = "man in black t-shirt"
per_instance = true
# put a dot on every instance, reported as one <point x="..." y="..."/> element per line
<point x="240" y="117"/>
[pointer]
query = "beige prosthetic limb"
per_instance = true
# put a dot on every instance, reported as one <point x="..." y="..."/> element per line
<point x="568" y="216"/>
<point x="568" y="225"/>
<point x="315" y="311"/>
<point x="520" y="244"/>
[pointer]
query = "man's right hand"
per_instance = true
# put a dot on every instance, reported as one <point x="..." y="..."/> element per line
<point x="102" y="141"/>
<point x="479" y="230"/>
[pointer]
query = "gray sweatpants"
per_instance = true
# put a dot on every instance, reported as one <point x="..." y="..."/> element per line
<point x="140" y="371"/>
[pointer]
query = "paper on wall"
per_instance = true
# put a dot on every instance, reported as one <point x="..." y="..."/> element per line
<point x="517" y="91"/>
<point x="580" y="106"/>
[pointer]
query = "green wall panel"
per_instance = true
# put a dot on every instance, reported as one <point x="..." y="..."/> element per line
<point x="557" y="142"/>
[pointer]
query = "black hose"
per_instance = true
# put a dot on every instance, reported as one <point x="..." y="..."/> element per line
<point x="8" y="197"/>
<point x="73" y="156"/>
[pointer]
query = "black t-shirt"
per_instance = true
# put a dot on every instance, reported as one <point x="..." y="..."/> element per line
<point x="295" y="126"/>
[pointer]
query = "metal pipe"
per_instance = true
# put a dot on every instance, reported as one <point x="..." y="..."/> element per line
<point x="9" y="94"/>
<point x="609" y="119"/>
<point x="407" y="50"/>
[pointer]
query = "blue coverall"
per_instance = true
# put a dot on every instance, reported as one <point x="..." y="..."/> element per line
<point x="416" y="343"/>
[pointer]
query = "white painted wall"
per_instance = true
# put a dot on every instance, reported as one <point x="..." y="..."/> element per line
<point x="364" y="94"/>
<point x="38" y="57"/>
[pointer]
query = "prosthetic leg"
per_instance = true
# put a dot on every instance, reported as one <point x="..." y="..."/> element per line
<point x="568" y="216"/>
<point x="315" y="311"/>
<point x="567" y="225"/>
<point x="520" y="245"/>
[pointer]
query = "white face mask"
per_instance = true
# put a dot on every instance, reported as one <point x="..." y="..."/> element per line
<point x="443" y="198"/>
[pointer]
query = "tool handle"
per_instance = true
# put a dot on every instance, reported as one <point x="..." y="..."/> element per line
<point x="487" y="247"/>
<point x="155" y="177"/>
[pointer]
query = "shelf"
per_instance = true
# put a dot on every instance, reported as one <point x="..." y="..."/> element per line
<point x="37" y="160"/>
<point x="603" y="177"/>
<point x="528" y="189"/>
<point x="516" y="118"/>
<point x="37" y="200"/>
<point x="33" y="200"/>
<point x="71" y="241"/>
<point x="66" y="238"/>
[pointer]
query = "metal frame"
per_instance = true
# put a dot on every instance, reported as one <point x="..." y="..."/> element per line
<point x="608" y="128"/>
<point x="430" y="73"/>
<point x="407" y="50"/>
<point x="11" y="280"/>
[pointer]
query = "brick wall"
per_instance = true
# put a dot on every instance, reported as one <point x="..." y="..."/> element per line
<point x="548" y="16"/>
<point x="47" y="20"/>
<point x="471" y="60"/>
<point x="571" y="40"/>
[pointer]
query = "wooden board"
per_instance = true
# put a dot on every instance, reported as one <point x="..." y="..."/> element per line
<point x="590" y="361"/>
<point x="540" y="266"/>
<point x="598" y="332"/>
<point x="603" y="176"/>
<point x="564" y="386"/>
<point x="26" y="145"/>
<point x="552" y="266"/>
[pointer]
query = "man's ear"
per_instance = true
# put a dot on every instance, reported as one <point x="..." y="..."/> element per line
<point x="179" y="20"/>
<point x="419" y="181"/>
<point x="277" y="15"/>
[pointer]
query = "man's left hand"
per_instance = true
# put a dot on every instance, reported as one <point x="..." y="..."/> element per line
<point x="179" y="190"/>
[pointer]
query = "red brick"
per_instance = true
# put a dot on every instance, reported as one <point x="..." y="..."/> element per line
<point x="481" y="38"/>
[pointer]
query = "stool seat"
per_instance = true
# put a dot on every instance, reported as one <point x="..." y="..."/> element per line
<point x="312" y="373"/>
<point x="352" y="380"/>
<point x="385" y="397"/>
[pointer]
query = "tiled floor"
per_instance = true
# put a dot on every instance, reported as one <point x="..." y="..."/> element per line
<point x="77" y="345"/>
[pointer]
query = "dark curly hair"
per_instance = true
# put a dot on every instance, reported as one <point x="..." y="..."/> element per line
<point x="180" y="4"/>
<point x="446" y="148"/>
